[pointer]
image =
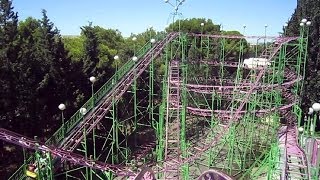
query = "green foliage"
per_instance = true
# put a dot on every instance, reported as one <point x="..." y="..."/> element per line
<point x="309" y="9"/>
<point x="8" y="62"/>
<point x="232" y="47"/>
<point x="91" y="50"/>
<point x="194" y="26"/>
<point x="75" y="46"/>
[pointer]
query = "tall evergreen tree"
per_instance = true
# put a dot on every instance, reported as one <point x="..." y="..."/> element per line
<point x="8" y="62"/>
<point x="91" y="56"/>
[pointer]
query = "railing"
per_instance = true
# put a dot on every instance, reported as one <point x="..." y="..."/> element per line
<point x="58" y="136"/>
<point x="107" y="87"/>
<point x="20" y="174"/>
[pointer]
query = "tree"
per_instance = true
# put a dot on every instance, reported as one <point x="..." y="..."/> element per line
<point x="74" y="44"/>
<point x="232" y="46"/>
<point x="195" y="25"/>
<point x="91" y="50"/>
<point x="8" y="62"/>
<point x="309" y="9"/>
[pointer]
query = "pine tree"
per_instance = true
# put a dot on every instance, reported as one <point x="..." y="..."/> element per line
<point x="8" y="62"/>
<point x="91" y="57"/>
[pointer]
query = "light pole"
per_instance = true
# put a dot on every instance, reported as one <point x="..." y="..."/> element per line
<point x="308" y="23"/>
<point x="83" y="112"/>
<point x="116" y="58"/>
<point x="62" y="107"/>
<point x="92" y="80"/>
<point x="176" y="11"/>
<point x="151" y="81"/>
<point x="244" y="28"/>
<point x="257" y="45"/>
<point x="265" y="35"/>
<point x="201" y="25"/>
<point x="135" y="59"/>
<point x="302" y="25"/>
<point x="316" y="109"/>
<point x="308" y="119"/>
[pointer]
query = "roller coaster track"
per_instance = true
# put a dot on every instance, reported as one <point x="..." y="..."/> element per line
<point x="89" y="122"/>
<point x="269" y="53"/>
<point x="172" y="117"/>
<point x="227" y="91"/>
<point x="63" y="147"/>
<point x="120" y="82"/>
<point x="295" y="164"/>
<point x="20" y="140"/>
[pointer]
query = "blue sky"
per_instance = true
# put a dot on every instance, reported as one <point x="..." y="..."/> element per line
<point x="135" y="16"/>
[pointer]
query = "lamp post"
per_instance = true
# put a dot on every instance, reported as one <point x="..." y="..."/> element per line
<point x="62" y="107"/>
<point x="302" y="25"/>
<point x="83" y="112"/>
<point x="152" y="41"/>
<point x="310" y="145"/>
<point x="316" y="109"/>
<point x="135" y="59"/>
<point x="116" y="58"/>
<point x="257" y="45"/>
<point x="308" y="23"/>
<point x="308" y="119"/>
<point x="265" y="34"/>
<point x="244" y="28"/>
<point x="201" y="25"/>
<point x="151" y="85"/>
<point x="92" y="80"/>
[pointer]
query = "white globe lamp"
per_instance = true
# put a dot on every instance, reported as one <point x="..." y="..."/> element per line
<point x="308" y="23"/>
<point x="93" y="79"/>
<point x="62" y="107"/>
<point x="316" y="107"/>
<point x="83" y="111"/>
<point x="310" y="111"/>
<point x="134" y="58"/>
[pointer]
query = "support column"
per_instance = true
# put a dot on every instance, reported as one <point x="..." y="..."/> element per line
<point x="183" y="139"/>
